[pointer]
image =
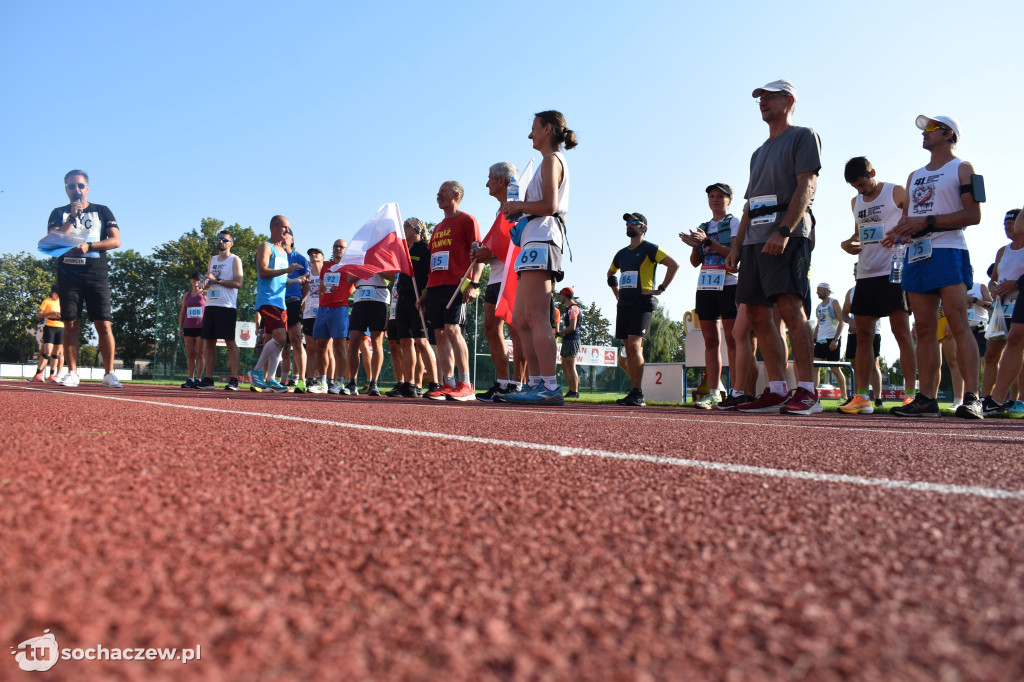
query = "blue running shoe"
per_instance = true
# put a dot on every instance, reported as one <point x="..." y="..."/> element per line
<point x="276" y="386"/>
<point x="257" y="379"/>
<point x="1017" y="408"/>
<point x="541" y="395"/>
<point x="519" y="395"/>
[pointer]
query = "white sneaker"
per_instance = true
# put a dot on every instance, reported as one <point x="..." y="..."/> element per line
<point x="70" y="380"/>
<point x="316" y="387"/>
<point x="957" y="402"/>
<point x="110" y="380"/>
<point x="335" y="388"/>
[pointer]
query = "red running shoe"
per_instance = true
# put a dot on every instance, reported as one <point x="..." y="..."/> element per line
<point x="802" y="401"/>
<point x="767" y="402"/>
<point x="462" y="392"/>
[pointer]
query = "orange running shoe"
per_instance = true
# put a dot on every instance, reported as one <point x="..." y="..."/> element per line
<point x="859" y="405"/>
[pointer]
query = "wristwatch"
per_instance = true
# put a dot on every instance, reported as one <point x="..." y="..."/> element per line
<point x="475" y="285"/>
<point x="785" y="231"/>
<point x="661" y="288"/>
<point x="929" y="222"/>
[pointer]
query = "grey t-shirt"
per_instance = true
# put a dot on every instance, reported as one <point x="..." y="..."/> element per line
<point x="773" y="170"/>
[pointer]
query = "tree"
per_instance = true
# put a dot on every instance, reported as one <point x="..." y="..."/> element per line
<point x="595" y="329"/>
<point x="664" y="342"/>
<point x="27" y="282"/>
<point x="133" y="296"/>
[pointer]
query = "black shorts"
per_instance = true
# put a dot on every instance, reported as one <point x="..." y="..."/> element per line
<point x="979" y="338"/>
<point x="293" y="306"/>
<point x="491" y="293"/>
<point x="409" y="325"/>
<point x="763" y="278"/>
<point x="80" y="293"/>
<point x="191" y="332"/>
<point x="436" y="314"/>
<point x="570" y="348"/>
<point x="1018" y="314"/>
<point x="823" y="352"/>
<point x="878" y="297"/>
<point x="219" y="323"/>
<point x="54" y="335"/>
<point x="712" y="305"/>
<point x="851" y="344"/>
<point x="372" y="315"/>
<point x="633" y="320"/>
<point x="392" y="329"/>
<point x="307" y="325"/>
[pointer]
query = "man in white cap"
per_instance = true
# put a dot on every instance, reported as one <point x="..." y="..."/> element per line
<point x="941" y="202"/>
<point x="828" y="332"/>
<point x="773" y="243"/>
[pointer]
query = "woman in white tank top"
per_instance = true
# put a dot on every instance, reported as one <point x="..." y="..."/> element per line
<point x="546" y="203"/>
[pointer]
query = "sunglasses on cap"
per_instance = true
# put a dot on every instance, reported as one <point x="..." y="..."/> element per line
<point x="73" y="185"/>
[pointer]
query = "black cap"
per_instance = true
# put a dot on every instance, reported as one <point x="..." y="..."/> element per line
<point x="635" y="216"/>
<point x="310" y="252"/>
<point x="1011" y="214"/>
<point x="722" y="186"/>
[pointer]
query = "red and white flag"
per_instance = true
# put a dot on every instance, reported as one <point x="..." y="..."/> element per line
<point x="499" y="242"/>
<point x="378" y="246"/>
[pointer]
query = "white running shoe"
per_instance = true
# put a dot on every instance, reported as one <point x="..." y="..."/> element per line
<point x="70" y="380"/>
<point x="316" y="387"/>
<point x="110" y="381"/>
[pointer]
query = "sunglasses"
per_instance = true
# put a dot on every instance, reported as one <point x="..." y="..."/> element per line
<point x="635" y="222"/>
<point x="80" y="185"/>
<point x="931" y="127"/>
<point x="223" y="239"/>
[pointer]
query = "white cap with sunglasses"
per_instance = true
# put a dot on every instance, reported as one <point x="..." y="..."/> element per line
<point x="944" y="121"/>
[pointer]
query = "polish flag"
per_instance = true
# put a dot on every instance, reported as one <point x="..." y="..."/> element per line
<point x="378" y="246"/>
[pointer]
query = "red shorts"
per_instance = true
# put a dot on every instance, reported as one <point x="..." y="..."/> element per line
<point x="273" y="318"/>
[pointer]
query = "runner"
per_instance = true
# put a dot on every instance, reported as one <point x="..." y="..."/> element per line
<point x="412" y="337"/>
<point x="570" y="335"/>
<point x="370" y="312"/>
<point x="223" y="281"/>
<point x="316" y="382"/>
<point x="330" y="331"/>
<point x="828" y="332"/>
<point x="190" y="327"/>
<point x="51" y="351"/>
<point x="273" y="269"/>
<point x="295" y="292"/>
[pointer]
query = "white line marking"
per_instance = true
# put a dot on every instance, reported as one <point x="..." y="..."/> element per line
<point x="563" y="450"/>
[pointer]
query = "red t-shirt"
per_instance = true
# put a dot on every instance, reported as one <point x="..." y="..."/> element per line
<point x="450" y="246"/>
<point x="334" y="287"/>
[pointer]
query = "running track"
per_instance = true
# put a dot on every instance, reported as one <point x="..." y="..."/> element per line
<point x="334" y="538"/>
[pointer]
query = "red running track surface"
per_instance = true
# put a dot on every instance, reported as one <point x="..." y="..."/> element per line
<point x="305" y="537"/>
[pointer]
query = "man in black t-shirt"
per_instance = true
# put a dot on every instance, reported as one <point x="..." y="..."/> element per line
<point x="412" y="337"/>
<point x="82" y="273"/>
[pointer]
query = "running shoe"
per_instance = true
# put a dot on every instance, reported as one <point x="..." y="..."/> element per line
<point x="857" y="405"/>
<point x="879" y="403"/>
<point x="300" y="386"/>
<point x="206" y="384"/>
<point x="53" y="379"/>
<point x="463" y="392"/>
<point x="802" y="401"/>
<point x="189" y="383"/>
<point x="276" y="386"/>
<point x="1016" y="408"/>
<point x="542" y="395"/>
<point x="316" y="387"/>
<point x="335" y="388"/>
<point x="970" y="408"/>
<point x="440" y="393"/>
<point x="572" y="395"/>
<point x="372" y="389"/>
<point x="766" y="402"/>
<point x="38" y="377"/>
<point x="489" y="395"/>
<point x="396" y="392"/>
<point x="709" y="401"/>
<point x="517" y="396"/>
<point x="351" y="389"/>
<point x="232" y="384"/>
<point x="957" y="402"/>
<point x="110" y="380"/>
<point x="417" y="392"/>
<point x="629" y="398"/>
<point x="431" y="387"/>
<point x="734" y="401"/>
<point x="256" y="380"/>
<point x="407" y="390"/>
<point x="70" y="380"/>
<point x="989" y="406"/>
<point x="907" y="399"/>
<point x="918" y="407"/>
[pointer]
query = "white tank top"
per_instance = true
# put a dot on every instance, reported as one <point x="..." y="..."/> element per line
<point x="875" y="260"/>
<point x="827" y="320"/>
<point x="218" y="296"/>
<point x="977" y="316"/>
<point x="373" y="290"/>
<point x="546" y="228"/>
<point x="938" y="193"/>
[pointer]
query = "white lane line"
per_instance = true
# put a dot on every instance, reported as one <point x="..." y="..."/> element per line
<point x="565" y="450"/>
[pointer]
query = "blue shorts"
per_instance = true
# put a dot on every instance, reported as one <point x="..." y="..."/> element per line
<point x="946" y="267"/>
<point x="331" y="323"/>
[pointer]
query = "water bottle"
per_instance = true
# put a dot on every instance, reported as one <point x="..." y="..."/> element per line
<point x="513" y="191"/>
<point x="896" y="274"/>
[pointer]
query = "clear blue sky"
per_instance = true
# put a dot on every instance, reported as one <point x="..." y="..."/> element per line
<point x="323" y="111"/>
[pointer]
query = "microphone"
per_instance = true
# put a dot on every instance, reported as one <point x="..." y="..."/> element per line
<point x="77" y="196"/>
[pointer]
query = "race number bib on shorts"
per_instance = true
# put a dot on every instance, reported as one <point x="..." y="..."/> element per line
<point x="919" y="250"/>
<point x="871" y="233"/>
<point x="711" y="279"/>
<point x="439" y="261"/>
<point x="366" y="294"/>
<point x="71" y="260"/>
<point x="533" y="258"/>
<point x="332" y="280"/>
<point x="629" y="280"/>
<point x="765" y="200"/>
<point x="1007" y="308"/>
<point x="194" y="313"/>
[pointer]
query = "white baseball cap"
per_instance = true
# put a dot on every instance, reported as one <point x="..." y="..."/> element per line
<point x="824" y="285"/>
<point x="950" y="123"/>
<point x="781" y="85"/>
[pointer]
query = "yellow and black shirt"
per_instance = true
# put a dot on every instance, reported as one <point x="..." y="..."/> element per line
<point x="637" y="266"/>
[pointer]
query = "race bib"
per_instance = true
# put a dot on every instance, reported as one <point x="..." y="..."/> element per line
<point x="1007" y="307"/>
<point x="972" y="316"/>
<point x="871" y="234"/>
<point x="439" y="261"/>
<point x="194" y="313"/>
<point x="764" y="200"/>
<point x="919" y="250"/>
<point x="332" y="280"/>
<point x="533" y="258"/>
<point x="310" y="307"/>
<point x="711" y="279"/>
<point x="393" y="309"/>
<point x="71" y="260"/>
<point x="629" y="280"/>
<point x="365" y="294"/>
<point x="213" y="295"/>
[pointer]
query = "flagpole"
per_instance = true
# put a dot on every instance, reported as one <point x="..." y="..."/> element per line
<point x="458" y="289"/>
